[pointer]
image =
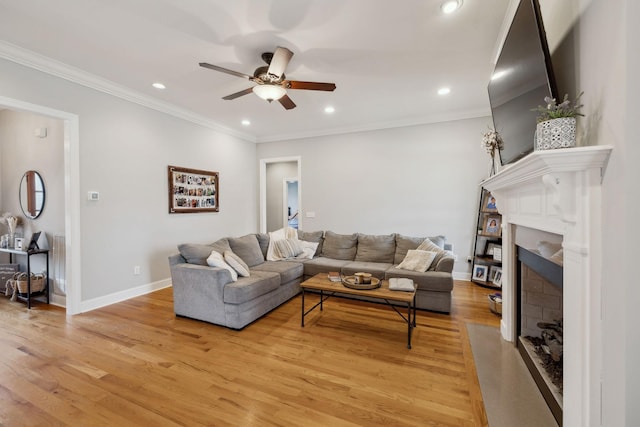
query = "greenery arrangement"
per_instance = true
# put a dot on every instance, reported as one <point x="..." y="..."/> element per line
<point x="556" y="111"/>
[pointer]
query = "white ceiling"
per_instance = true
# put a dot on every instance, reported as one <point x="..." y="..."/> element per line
<point x="387" y="58"/>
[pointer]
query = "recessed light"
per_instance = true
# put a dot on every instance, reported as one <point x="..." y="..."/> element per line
<point x="329" y="110"/>
<point x="159" y="85"/>
<point x="451" y="6"/>
<point x="246" y="122"/>
<point x="444" y="91"/>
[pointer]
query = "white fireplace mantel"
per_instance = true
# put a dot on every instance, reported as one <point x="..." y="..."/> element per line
<point x="558" y="191"/>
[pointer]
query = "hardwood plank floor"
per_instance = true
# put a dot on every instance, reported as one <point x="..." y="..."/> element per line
<point x="135" y="363"/>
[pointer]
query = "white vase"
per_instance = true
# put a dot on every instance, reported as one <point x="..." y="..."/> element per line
<point x="556" y="133"/>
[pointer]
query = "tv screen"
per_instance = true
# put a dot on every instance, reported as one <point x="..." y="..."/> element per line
<point x="522" y="78"/>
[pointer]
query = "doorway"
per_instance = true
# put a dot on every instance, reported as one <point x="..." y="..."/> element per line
<point x="274" y="191"/>
<point x="71" y="194"/>
<point x="290" y="205"/>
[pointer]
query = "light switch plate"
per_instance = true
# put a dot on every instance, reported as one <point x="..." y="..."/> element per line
<point x="93" y="195"/>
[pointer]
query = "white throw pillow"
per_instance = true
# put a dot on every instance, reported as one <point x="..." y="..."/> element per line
<point x="283" y="233"/>
<point x="237" y="263"/>
<point x="288" y="248"/>
<point x="428" y="245"/>
<point x="417" y="260"/>
<point x="216" y="260"/>
<point x="308" y="249"/>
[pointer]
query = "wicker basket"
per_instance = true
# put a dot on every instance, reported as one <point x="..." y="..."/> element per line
<point x="37" y="282"/>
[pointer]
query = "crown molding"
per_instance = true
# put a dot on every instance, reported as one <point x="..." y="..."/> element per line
<point x="50" y="66"/>
<point x="441" y="118"/>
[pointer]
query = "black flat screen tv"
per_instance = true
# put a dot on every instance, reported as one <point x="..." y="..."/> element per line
<point x="522" y="78"/>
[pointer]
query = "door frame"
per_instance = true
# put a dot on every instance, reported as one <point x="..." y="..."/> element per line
<point x="285" y="200"/>
<point x="263" y="187"/>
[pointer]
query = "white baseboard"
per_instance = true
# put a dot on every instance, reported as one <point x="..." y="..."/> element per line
<point x="457" y="275"/>
<point x="106" y="300"/>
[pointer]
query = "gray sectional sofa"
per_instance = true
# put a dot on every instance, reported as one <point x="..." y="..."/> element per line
<point x="209" y="293"/>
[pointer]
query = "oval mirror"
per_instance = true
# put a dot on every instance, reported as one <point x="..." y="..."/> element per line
<point x="32" y="194"/>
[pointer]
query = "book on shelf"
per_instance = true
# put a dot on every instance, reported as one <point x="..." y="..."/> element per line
<point x="334" y="276"/>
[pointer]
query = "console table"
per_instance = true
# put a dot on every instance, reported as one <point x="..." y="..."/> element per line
<point x="14" y="252"/>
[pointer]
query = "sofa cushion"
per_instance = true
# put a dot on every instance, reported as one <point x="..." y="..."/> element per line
<point x="288" y="270"/>
<point x="340" y="246"/>
<point x="417" y="260"/>
<point x="323" y="265"/>
<point x="263" y="241"/>
<point x="377" y="269"/>
<point x="404" y="243"/>
<point x="216" y="259"/>
<point x="247" y="248"/>
<point x="428" y="281"/>
<point x="237" y="263"/>
<point x="313" y="236"/>
<point x="287" y="248"/>
<point x="376" y="248"/>
<point x="248" y="288"/>
<point x="428" y="245"/>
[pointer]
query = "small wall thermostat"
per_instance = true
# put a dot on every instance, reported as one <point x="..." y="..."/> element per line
<point x="93" y="195"/>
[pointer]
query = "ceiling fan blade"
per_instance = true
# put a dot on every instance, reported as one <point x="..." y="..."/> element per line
<point x="238" y="94"/>
<point x="224" y="70"/>
<point x="287" y="102"/>
<point x="279" y="62"/>
<point x="293" y="84"/>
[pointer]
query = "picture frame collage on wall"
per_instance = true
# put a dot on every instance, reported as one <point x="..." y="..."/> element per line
<point x="193" y="190"/>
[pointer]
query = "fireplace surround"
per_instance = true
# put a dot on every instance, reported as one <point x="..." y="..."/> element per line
<point x="559" y="192"/>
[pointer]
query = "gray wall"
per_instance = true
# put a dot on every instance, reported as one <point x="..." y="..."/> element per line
<point x="418" y="181"/>
<point x="124" y="152"/>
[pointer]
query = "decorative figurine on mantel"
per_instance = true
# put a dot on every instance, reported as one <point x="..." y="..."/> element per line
<point x="492" y="143"/>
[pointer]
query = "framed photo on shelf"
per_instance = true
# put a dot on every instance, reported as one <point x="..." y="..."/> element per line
<point x="490" y="247"/>
<point x="497" y="279"/>
<point x="497" y="253"/>
<point x="480" y="272"/>
<point x="488" y="202"/>
<point x="492" y="225"/>
<point x="493" y="270"/>
<point x="192" y="190"/>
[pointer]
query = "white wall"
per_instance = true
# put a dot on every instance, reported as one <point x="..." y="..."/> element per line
<point x="603" y="37"/>
<point x="418" y="181"/>
<point x="124" y="153"/>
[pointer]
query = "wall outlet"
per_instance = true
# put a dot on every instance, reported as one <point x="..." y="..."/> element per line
<point x="469" y="258"/>
<point x="136" y="270"/>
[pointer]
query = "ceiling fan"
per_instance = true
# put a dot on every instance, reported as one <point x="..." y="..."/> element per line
<point x="271" y="81"/>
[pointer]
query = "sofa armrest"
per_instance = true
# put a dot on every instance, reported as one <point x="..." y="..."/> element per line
<point x="445" y="264"/>
<point x="198" y="291"/>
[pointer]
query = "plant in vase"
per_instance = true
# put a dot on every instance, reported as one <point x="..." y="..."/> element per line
<point x="557" y="123"/>
<point x="492" y="143"/>
<point x="12" y="222"/>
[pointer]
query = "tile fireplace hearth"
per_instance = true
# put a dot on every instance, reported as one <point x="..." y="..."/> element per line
<point x="558" y="192"/>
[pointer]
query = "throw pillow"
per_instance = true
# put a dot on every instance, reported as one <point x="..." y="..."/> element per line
<point x="417" y="260"/>
<point x="376" y="248"/>
<point x="313" y="236"/>
<point x="283" y="233"/>
<point x="288" y="248"/>
<point x="309" y="249"/>
<point x="237" y="263"/>
<point x="216" y="260"/>
<point x="340" y="246"/>
<point x="195" y="253"/>
<point x="247" y="248"/>
<point x="428" y="245"/>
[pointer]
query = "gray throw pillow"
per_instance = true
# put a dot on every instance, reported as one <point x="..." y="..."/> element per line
<point x="404" y="243"/>
<point x="340" y="246"/>
<point x="376" y="248"/>
<point x="221" y="245"/>
<point x="247" y="248"/>
<point x="263" y="241"/>
<point x="314" y="237"/>
<point x="195" y="253"/>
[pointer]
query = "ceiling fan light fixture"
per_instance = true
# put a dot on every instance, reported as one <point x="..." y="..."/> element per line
<point x="269" y="92"/>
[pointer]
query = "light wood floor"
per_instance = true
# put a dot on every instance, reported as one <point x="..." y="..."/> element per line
<point x="135" y="363"/>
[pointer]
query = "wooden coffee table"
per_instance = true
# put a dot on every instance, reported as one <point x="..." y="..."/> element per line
<point x="320" y="282"/>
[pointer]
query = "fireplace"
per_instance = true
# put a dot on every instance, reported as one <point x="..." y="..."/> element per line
<point x="558" y="192"/>
<point x="540" y="322"/>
